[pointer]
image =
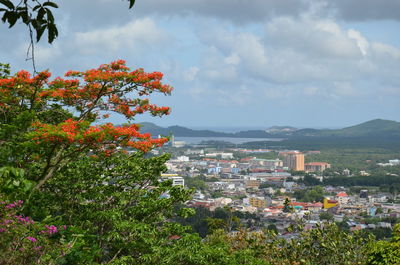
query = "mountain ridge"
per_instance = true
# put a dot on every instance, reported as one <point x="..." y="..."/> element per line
<point x="372" y="128"/>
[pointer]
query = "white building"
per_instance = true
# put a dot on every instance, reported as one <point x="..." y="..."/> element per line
<point x="183" y="158"/>
<point x="176" y="180"/>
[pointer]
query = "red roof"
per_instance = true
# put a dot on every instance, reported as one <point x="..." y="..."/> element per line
<point x="342" y="194"/>
<point x="317" y="204"/>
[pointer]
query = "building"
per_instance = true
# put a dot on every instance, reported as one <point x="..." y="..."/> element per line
<point x="176" y="179"/>
<point x="342" y="198"/>
<point x="252" y="184"/>
<point x="328" y="203"/>
<point x="270" y="163"/>
<point x="258" y="202"/>
<point x="364" y="194"/>
<point x="221" y="154"/>
<point x="182" y="158"/>
<point x="316" y="166"/>
<point x="294" y="161"/>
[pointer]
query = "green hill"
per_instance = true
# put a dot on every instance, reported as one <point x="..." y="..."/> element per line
<point x="373" y="128"/>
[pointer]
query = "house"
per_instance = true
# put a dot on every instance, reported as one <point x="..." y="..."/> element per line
<point x="342" y="198"/>
<point x="328" y="203"/>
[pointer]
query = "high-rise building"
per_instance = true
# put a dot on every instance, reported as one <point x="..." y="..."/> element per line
<point x="294" y="161"/>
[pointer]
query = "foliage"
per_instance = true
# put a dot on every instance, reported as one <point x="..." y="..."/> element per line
<point x="309" y="180"/>
<point x="216" y="194"/>
<point x="35" y="14"/>
<point x="286" y="206"/>
<point x="386" y="252"/>
<point x="318" y="246"/>
<point x="375" y="180"/>
<point x="326" y="216"/>
<point x="117" y="200"/>
<point x="204" y="221"/>
<point x="315" y="194"/>
<point x="25" y="241"/>
<point x="197" y="183"/>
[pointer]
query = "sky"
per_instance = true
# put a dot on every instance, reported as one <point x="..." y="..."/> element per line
<point x="234" y="63"/>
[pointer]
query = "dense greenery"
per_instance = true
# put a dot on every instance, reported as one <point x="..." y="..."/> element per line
<point x="325" y="143"/>
<point x="315" y="194"/>
<point x="204" y="221"/>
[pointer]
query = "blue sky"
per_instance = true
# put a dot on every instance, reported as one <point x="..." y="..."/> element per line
<point x="255" y="63"/>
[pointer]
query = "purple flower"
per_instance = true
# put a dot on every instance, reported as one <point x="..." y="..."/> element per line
<point x="51" y="229"/>
<point x="14" y="204"/>
<point x="10" y="206"/>
<point x="24" y="220"/>
<point x="31" y="239"/>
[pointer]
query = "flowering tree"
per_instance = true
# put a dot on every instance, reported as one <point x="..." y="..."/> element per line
<point x="53" y="121"/>
<point x="59" y="155"/>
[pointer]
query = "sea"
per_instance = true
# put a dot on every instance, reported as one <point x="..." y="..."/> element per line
<point x="198" y="140"/>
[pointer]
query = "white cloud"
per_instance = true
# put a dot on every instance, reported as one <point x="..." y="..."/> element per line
<point x="191" y="73"/>
<point x="304" y="57"/>
<point x="362" y="42"/>
<point x="323" y="38"/>
<point x="232" y="59"/>
<point x="311" y="90"/>
<point x="137" y="34"/>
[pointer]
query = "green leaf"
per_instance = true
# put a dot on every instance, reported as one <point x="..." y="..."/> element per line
<point x="16" y="183"/>
<point x="48" y="3"/>
<point x="36" y="7"/>
<point x="12" y="18"/>
<point x="25" y="16"/>
<point x="50" y="16"/>
<point x="4" y="18"/>
<point x="41" y="14"/>
<point x="39" y="32"/>
<point x="7" y="3"/>
<point x="131" y="3"/>
<point x="52" y="32"/>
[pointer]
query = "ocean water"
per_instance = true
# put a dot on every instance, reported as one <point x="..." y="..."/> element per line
<point x="197" y="140"/>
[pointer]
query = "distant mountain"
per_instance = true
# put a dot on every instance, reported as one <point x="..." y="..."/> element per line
<point x="179" y="131"/>
<point x="281" y="130"/>
<point x="373" y="128"/>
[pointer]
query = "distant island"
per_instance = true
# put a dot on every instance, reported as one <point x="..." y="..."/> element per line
<point x="374" y="128"/>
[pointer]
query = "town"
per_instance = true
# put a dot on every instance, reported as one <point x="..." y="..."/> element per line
<point x="278" y="189"/>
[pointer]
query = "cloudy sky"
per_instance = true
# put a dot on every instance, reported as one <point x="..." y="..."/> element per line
<point x="235" y="63"/>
